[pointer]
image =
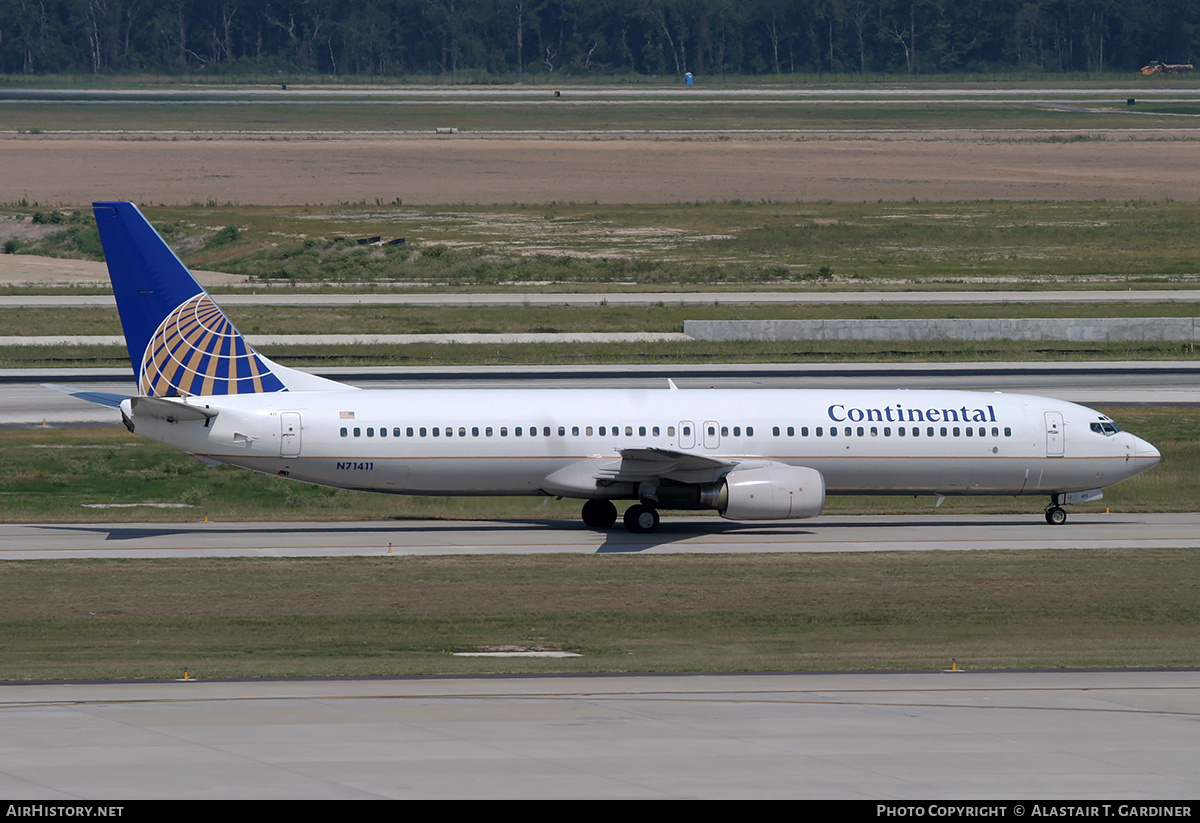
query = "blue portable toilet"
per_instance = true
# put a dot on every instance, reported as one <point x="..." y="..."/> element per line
<point x="687" y="78"/>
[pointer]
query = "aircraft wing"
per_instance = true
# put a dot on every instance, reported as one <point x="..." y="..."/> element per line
<point x="599" y="475"/>
<point x="638" y="465"/>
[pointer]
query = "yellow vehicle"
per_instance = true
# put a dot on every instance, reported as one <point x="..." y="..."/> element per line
<point x="1158" y="67"/>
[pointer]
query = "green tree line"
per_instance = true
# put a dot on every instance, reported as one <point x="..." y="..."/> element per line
<point x="504" y="39"/>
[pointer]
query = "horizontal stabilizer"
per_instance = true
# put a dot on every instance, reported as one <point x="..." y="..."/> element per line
<point x="100" y="398"/>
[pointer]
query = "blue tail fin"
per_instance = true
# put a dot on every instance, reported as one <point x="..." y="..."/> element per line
<point x="179" y="342"/>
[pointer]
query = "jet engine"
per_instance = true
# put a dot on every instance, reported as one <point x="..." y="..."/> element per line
<point x="774" y="492"/>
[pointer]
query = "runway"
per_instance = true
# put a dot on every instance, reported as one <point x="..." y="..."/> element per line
<point x="677" y="535"/>
<point x="1124" y="736"/>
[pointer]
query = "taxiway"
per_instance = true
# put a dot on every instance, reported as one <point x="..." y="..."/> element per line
<point x="709" y="535"/>
<point x="896" y="736"/>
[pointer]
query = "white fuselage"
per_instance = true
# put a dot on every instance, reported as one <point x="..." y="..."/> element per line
<point x="509" y="441"/>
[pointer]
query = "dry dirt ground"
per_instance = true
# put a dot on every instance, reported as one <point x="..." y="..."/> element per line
<point x="30" y="270"/>
<point x="457" y="169"/>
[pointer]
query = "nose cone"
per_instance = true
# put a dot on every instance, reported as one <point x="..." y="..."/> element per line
<point x="1145" y="453"/>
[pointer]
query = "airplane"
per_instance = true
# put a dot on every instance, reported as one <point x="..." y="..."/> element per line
<point x="761" y="454"/>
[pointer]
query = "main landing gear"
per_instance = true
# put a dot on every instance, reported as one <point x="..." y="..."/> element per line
<point x="639" y="518"/>
<point x="599" y="514"/>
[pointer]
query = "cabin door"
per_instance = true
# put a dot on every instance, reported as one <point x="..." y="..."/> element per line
<point x="712" y="436"/>
<point x="1054" y="434"/>
<point x="289" y="435"/>
<point x="687" y="435"/>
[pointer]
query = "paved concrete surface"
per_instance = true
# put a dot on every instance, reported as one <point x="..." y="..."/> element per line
<point x="190" y="536"/>
<point x="1075" y="329"/>
<point x="1032" y="736"/>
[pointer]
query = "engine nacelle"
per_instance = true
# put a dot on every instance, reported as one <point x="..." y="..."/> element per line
<point x="774" y="492"/>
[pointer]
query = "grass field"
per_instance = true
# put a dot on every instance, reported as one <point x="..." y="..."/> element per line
<point x="678" y="247"/>
<point x="667" y="317"/>
<point x="406" y="615"/>
<point x="269" y="109"/>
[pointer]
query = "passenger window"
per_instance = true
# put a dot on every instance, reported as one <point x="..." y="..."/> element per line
<point x="749" y="431"/>
<point x="396" y="432"/>
<point x="641" y="431"/>
<point x="504" y="431"/>
<point x="629" y="431"/>
<point x="357" y="431"/>
<point x="737" y="431"/>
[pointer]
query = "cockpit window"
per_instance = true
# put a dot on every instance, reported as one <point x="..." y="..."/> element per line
<point x="1107" y="428"/>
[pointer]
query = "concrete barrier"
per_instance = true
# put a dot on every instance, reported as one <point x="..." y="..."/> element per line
<point x="1075" y="329"/>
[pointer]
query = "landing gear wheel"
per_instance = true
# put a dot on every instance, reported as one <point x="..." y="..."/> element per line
<point x="599" y="514"/>
<point x="1056" y="515"/>
<point x="641" y="519"/>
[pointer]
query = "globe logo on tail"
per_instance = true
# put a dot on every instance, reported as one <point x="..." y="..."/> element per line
<point x="197" y="351"/>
